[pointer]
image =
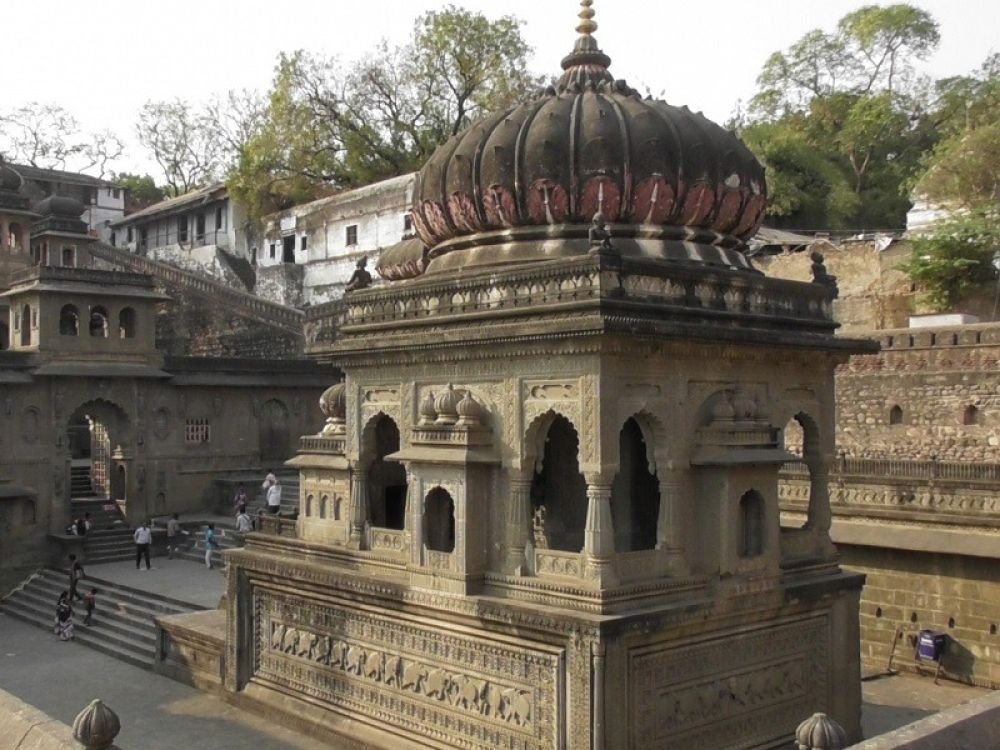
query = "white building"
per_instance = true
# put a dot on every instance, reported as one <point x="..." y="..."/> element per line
<point x="104" y="201"/>
<point x="200" y="231"/>
<point x="309" y="252"/>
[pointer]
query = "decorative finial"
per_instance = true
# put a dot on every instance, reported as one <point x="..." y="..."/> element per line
<point x="587" y="25"/>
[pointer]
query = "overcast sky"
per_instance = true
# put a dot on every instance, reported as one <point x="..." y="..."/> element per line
<point x="101" y="60"/>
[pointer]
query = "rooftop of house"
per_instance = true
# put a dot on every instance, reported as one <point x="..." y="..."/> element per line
<point x="39" y="174"/>
<point x="200" y="197"/>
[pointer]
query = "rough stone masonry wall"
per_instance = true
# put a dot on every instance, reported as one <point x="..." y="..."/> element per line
<point x="933" y="376"/>
<point x="908" y="591"/>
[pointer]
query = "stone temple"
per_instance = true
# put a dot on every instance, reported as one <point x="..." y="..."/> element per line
<point x="543" y="512"/>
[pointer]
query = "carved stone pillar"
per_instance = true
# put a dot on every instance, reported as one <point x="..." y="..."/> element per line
<point x="358" y="508"/>
<point x="599" y="534"/>
<point x="518" y="524"/>
<point x="415" y="510"/>
<point x="597" y="650"/>
<point x="669" y="534"/>
<point x="5" y="235"/>
<point x="820" y="514"/>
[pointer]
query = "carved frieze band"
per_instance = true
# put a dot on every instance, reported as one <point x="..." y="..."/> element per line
<point x="753" y="686"/>
<point x="470" y="692"/>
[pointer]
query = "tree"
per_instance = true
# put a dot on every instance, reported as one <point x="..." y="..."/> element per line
<point x="142" y="190"/>
<point x="181" y="142"/>
<point x="331" y="126"/>
<point x="104" y="148"/>
<point x="888" y="39"/>
<point x="955" y="256"/>
<point x="41" y="135"/>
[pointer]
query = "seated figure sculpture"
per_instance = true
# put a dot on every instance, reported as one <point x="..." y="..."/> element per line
<point x="361" y="278"/>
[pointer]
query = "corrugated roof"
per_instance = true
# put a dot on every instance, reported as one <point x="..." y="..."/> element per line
<point x="195" y="197"/>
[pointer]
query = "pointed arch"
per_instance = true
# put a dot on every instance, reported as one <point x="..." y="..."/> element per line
<point x="385" y="479"/>
<point x="557" y="484"/>
<point x="635" y="493"/>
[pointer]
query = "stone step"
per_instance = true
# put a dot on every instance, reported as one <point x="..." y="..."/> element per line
<point x="125" y="600"/>
<point x="125" y="625"/>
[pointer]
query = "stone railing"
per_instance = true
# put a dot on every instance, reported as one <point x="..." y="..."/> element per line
<point x="880" y="468"/>
<point x="91" y="275"/>
<point x="321" y="444"/>
<point x="244" y="303"/>
<point x="438" y="560"/>
<point x="639" y="565"/>
<point x="387" y="540"/>
<point x="549" y="562"/>
<point x="277" y="526"/>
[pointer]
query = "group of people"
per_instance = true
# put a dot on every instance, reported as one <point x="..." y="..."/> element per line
<point x="80" y="526"/>
<point x="64" y="627"/>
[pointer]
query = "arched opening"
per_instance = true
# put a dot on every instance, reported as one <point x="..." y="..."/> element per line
<point x="98" y="321"/>
<point x="92" y="431"/>
<point x="4" y="337"/>
<point x="274" y="433"/>
<point x="971" y="415"/>
<point x="309" y="505"/>
<point x="439" y="520"/>
<point x="69" y="257"/>
<point x="635" y="494"/>
<point x="802" y="440"/>
<point x="896" y="415"/>
<point x="322" y="506"/>
<point x="559" y="491"/>
<point x="26" y="325"/>
<point x="69" y="321"/>
<point x="126" y="323"/>
<point x="386" y="479"/>
<point x="14" y="237"/>
<point x="751" y="528"/>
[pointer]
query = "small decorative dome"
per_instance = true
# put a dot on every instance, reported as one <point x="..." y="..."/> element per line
<point x="447" y="406"/>
<point x="588" y="145"/>
<point x="469" y="410"/>
<point x="96" y="726"/>
<point x="723" y="408"/>
<point x="427" y="411"/>
<point x="60" y="205"/>
<point x="820" y="732"/>
<point x="333" y="402"/>
<point x="10" y="179"/>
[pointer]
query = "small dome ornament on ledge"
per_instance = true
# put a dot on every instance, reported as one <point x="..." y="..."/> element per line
<point x="469" y="411"/>
<point x="820" y="732"/>
<point x="427" y="411"/>
<point x="96" y="726"/>
<point x="333" y="404"/>
<point x="447" y="406"/>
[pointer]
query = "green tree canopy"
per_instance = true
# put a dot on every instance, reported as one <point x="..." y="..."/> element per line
<point x="331" y="125"/>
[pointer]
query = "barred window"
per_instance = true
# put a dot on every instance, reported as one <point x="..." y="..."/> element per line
<point x="197" y="431"/>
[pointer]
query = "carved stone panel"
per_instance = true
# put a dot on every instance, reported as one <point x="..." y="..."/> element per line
<point x="426" y="681"/>
<point x="741" y="691"/>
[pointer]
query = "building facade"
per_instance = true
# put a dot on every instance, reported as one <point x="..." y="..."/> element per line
<point x="103" y="201"/>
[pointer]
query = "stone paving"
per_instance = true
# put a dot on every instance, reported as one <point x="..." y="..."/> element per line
<point x="157" y="713"/>
<point x="179" y="579"/>
<point x="892" y="702"/>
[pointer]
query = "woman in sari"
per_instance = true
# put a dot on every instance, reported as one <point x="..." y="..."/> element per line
<point x="64" y="617"/>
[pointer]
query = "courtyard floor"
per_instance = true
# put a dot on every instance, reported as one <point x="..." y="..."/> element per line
<point x="179" y="579"/>
<point x="893" y="702"/>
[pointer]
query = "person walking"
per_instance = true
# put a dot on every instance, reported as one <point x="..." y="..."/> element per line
<point x="243" y="522"/>
<point x="240" y="499"/>
<point x="89" y="602"/>
<point x="173" y="535"/>
<point x="64" y="617"/>
<point x="211" y="544"/>
<point x="143" y="538"/>
<point x="274" y="497"/>
<point x="76" y="573"/>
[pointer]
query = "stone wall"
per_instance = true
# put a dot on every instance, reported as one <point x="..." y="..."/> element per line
<point x="929" y="393"/>
<point x="27" y="728"/>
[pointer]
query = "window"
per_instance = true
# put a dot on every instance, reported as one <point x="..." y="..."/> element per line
<point x="352" y="235"/>
<point x="407" y="222"/>
<point x="114" y="239"/>
<point x="126" y="323"/>
<point x="971" y="415"/>
<point x="68" y="257"/>
<point x="144" y="237"/>
<point x="116" y="193"/>
<point x="128" y="234"/>
<point x="303" y="242"/>
<point x="26" y="326"/>
<point x="197" y="431"/>
<point x="273" y="250"/>
<point x="182" y="229"/>
<point x="69" y="321"/>
<point x="98" y="322"/>
<point x="4" y="337"/>
<point x="288" y="249"/>
<point x="220" y="218"/>
<point x="896" y="415"/>
<point x="199" y="227"/>
<point x="751" y="541"/>
<point x="439" y="512"/>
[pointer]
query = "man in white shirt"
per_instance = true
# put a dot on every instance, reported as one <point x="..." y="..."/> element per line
<point x="243" y="523"/>
<point x="143" y="538"/>
<point x="274" y="497"/>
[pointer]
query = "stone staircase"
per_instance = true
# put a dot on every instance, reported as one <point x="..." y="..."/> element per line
<point x="244" y="303"/>
<point x="123" y="624"/>
<point x="110" y="538"/>
<point x="289" y="492"/>
<point x="79" y="482"/>
<point x="225" y="536"/>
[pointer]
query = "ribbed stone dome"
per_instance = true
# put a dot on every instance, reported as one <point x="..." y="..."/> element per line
<point x="10" y="180"/>
<point x="586" y="145"/>
<point x="60" y="205"/>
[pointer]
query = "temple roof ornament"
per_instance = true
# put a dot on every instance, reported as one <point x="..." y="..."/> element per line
<point x="588" y="144"/>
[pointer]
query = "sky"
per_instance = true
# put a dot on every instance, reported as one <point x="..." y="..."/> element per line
<point x="102" y="60"/>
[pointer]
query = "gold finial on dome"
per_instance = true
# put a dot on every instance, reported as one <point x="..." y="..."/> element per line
<point x="587" y="25"/>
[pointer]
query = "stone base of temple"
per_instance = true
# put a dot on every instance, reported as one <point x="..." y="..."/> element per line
<point x="190" y="648"/>
<point x="394" y="666"/>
